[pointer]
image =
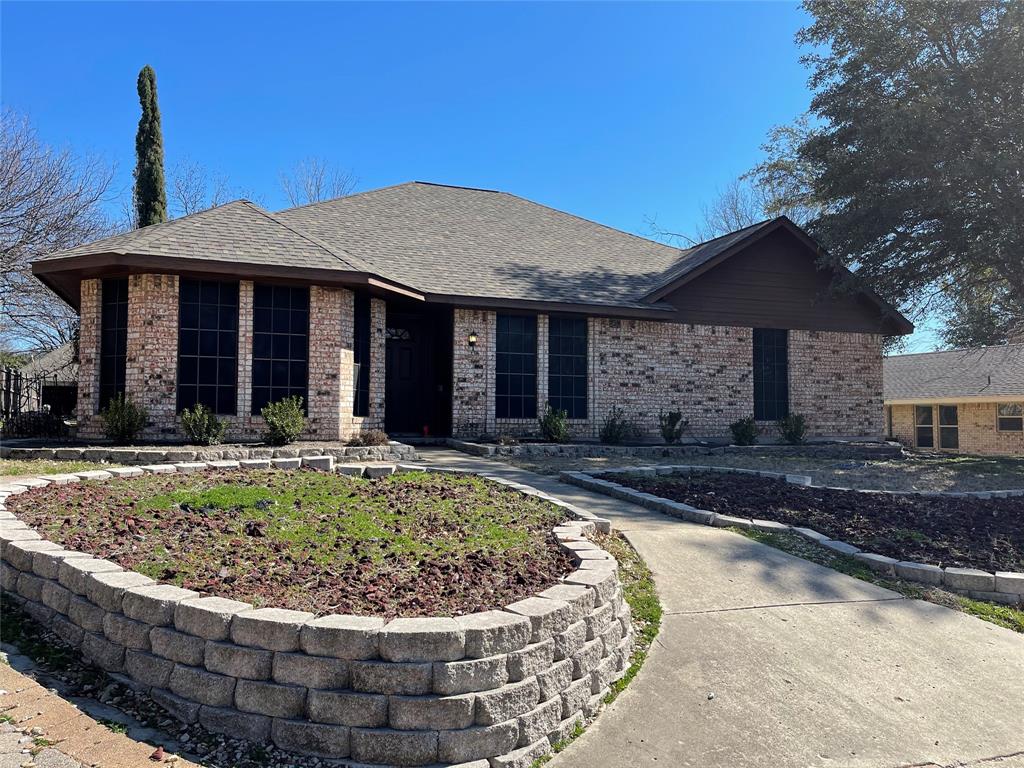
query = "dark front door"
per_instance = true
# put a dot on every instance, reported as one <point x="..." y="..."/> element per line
<point x="418" y="373"/>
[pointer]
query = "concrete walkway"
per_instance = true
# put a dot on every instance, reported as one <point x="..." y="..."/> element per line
<point x="765" y="659"/>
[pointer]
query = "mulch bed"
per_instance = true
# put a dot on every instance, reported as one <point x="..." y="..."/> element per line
<point x="413" y="544"/>
<point x="962" y="532"/>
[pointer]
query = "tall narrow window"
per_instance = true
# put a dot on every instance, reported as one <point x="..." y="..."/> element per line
<point x="771" y="374"/>
<point x="515" y="388"/>
<point x="280" y="343"/>
<point x="949" y="429"/>
<point x="207" y="345"/>
<point x="924" y="426"/>
<point x="567" y="365"/>
<point x="113" y="338"/>
<point x="361" y="356"/>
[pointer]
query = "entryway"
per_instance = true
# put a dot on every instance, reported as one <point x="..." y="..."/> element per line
<point x="418" y="378"/>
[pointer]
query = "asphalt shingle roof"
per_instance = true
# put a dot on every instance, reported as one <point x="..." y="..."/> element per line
<point x="986" y="371"/>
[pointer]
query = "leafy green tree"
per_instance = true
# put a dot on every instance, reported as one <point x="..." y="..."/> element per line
<point x="912" y="157"/>
<point x="150" y="191"/>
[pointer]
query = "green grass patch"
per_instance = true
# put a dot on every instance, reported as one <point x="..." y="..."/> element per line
<point x="12" y="467"/>
<point x="795" y="544"/>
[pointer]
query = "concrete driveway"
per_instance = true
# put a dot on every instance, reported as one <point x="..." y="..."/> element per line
<point x="768" y="660"/>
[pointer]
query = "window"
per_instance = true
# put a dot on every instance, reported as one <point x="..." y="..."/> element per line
<point x="280" y="343"/>
<point x="207" y="345"/>
<point x="1010" y="417"/>
<point x="924" y="433"/>
<point x="771" y="374"/>
<point x="515" y="392"/>
<point x="361" y="356"/>
<point x="113" y="338"/>
<point x="567" y="365"/>
<point x="949" y="432"/>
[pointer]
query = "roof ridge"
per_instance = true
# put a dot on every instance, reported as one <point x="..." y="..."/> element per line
<point x="958" y="349"/>
<point x="346" y="197"/>
<point x="353" y="264"/>
<point x="734" y="232"/>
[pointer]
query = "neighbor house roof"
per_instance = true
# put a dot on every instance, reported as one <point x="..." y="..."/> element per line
<point x="994" y="373"/>
<point x="59" y="364"/>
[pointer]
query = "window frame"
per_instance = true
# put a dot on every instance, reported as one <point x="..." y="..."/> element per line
<point x="918" y="425"/>
<point x="944" y="427"/>
<point x="119" y="356"/>
<point x="1019" y="417"/>
<point x="775" y="341"/>
<point x="510" y="359"/>
<point x="226" y="356"/>
<point x="268" y="339"/>
<point x="579" y="405"/>
<point x="361" y="324"/>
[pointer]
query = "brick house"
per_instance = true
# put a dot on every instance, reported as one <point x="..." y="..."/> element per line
<point x="430" y="309"/>
<point x="964" y="400"/>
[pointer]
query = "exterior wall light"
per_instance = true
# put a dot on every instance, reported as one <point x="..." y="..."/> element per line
<point x="472" y="338"/>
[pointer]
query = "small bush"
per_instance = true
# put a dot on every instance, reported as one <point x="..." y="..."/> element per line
<point x="284" y="419"/>
<point x="201" y="425"/>
<point x="369" y="437"/>
<point x="793" y="428"/>
<point x="554" y="425"/>
<point x="617" y="428"/>
<point x="123" y="419"/>
<point x="744" y="431"/>
<point x="672" y="426"/>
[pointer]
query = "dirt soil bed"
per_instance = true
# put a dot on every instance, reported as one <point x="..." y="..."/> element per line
<point x="412" y="544"/>
<point x="970" y="533"/>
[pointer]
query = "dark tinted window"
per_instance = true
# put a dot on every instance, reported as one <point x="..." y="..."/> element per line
<point x="280" y="343"/>
<point x="515" y="391"/>
<point x="207" y="345"/>
<point x="113" y="338"/>
<point x="949" y="431"/>
<point x="771" y="374"/>
<point x="924" y="431"/>
<point x="361" y="355"/>
<point x="567" y="365"/>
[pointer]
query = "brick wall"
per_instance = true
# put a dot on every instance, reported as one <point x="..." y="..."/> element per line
<point x="151" y="365"/>
<point x="330" y="362"/>
<point x="977" y="430"/>
<point x="835" y="380"/>
<point x="645" y="367"/>
<point x="89" y="359"/>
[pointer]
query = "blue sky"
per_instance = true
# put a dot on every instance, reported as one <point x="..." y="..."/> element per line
<point x="621" y="113"/>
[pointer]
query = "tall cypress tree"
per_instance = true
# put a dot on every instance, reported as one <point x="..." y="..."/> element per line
<point x="150" y="191"/>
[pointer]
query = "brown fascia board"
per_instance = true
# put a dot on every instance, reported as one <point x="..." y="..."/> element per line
<point x="901" y="325"/>
<point x="117" y="264"/>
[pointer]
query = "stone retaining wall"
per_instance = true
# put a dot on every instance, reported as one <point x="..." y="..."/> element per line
<point x="393" y="451"/>
<point x="489" y="689"/>
<point x="1001" y="586"/>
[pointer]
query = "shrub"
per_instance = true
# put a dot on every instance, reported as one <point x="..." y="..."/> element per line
<point x="201" y="425"/>
<point x="554" y="425"/>
<point x="672" y="426"/>
<point x="744" y="431"/>
<point x="793" y="428"/>
<point x="123" y="419"/>
<point x="369" y="437"/>
<point x="284" y="419"/>
<point x="617" y="428"/>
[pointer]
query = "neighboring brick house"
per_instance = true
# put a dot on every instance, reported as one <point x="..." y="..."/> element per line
<point x="429" y="309"/>
<point x="965" y="400"/>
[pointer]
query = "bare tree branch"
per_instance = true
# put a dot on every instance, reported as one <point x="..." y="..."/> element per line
<point x="314" y="179"/>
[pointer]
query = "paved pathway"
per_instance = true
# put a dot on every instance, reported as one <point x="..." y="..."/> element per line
<point x="765" y="659"/>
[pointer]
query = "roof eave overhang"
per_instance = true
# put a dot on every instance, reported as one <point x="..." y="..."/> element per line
<point x="952" y="399"/>
<point x="63" y="275"/>
<point x="893" y="321"/>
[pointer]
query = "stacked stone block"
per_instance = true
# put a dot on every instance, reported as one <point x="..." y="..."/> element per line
<point x="495" y="688"/>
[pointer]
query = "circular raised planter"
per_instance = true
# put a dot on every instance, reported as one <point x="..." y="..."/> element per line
<point x="492" y="688"/>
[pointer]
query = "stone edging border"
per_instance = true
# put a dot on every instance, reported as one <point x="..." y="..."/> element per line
<point x="489" y="689"/>
<point x="1005" y="587"/>
<point x="393" y="451"/>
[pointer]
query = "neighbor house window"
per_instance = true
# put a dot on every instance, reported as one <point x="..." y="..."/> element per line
<point x="280" y="343"/>
<point x="516" y="367"/>
<point x="771" y="374"/>
<point x="113" y="338"/>
<point x="924" y="431"/>
<point x="567" y="365"/>
<point x="207" y="345"/>
<point x="1010" y="417"/>
<point x="949" y="430"/>
<point x="361" y="356"/>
